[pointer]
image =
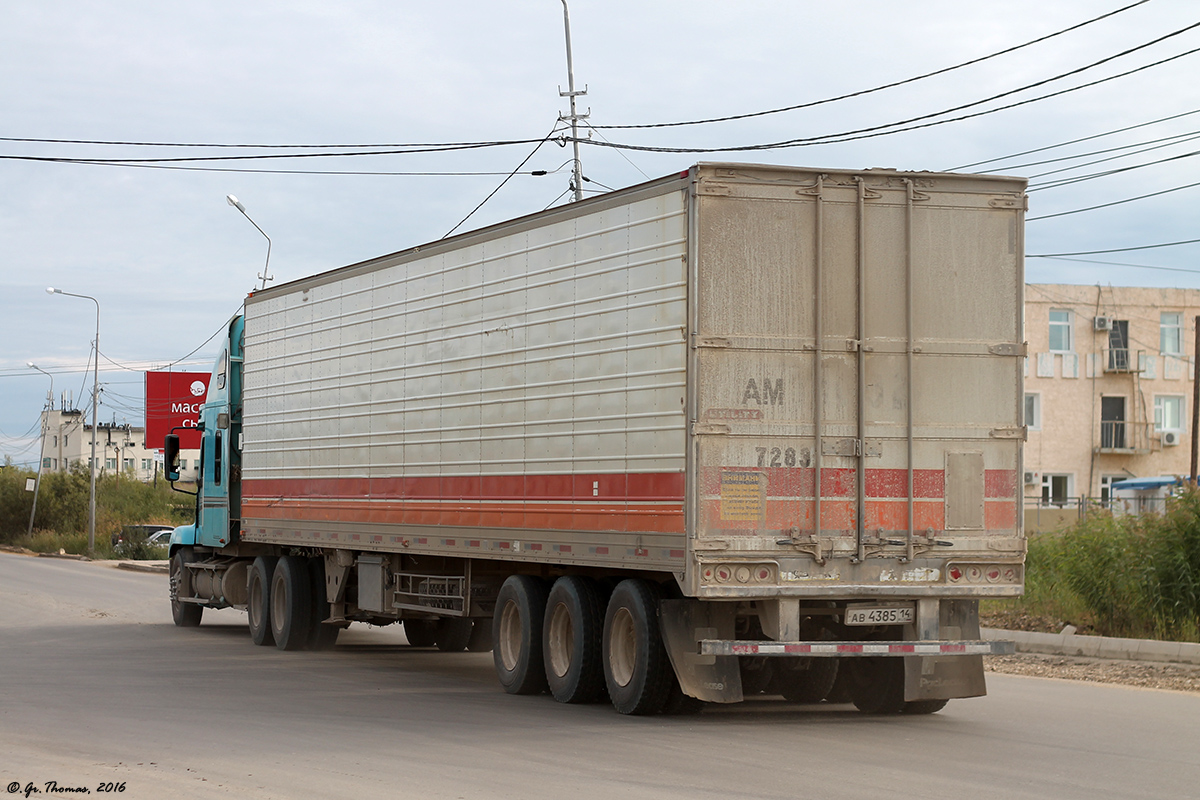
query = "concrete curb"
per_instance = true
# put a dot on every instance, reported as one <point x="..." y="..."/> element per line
<point x="144" y="566"/>
<point x="70" y="556"/>
<point x="1071" y="644"/>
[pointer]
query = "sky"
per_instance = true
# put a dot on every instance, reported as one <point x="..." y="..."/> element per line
<point x="169" y="261"/>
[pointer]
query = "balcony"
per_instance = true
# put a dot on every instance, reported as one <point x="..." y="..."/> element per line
<point x="1122" y="360"/>
<point x="1127" y="438"/>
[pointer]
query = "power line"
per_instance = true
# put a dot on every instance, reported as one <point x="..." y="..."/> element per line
<point x="1114" y="203"/>
<point x="1169" y="140"/>
<point x="1074" y="141"/>
<point x="1119" y="264"/>
<point x="1106" y="173"/>
<point x="1111" y="250"/>
<point x="492" y="194"/>
<point x="877" y="88"/>
<point x="1188" y="138"/>
<point x="880" y="130"/>
<point x="265" y="156"/>
<point x="295" y="171"/>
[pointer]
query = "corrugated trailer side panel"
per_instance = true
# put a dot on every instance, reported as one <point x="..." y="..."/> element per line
<point x="513" y="393"/>
<point x="860" y="333"/>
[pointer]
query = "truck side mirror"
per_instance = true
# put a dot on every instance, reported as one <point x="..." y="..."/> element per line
<point x="171" y="457"/>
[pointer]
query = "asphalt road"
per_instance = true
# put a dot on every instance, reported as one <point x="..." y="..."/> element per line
<point x="98" y="688"/>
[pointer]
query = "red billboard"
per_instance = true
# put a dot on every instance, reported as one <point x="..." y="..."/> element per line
<point x="174" y="399"/>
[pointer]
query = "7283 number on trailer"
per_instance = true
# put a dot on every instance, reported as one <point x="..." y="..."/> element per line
<point x="879" y="615"/>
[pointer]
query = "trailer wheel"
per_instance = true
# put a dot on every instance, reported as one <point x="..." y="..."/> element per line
<point x="321" y="636"/>
<point x="258" y="605"/>
<point x="636" y="669"/>
<point x="924" y="706"/>
<point x="877" y="684"/>
<point x="481" y="636"/>
<point x="840" y="691"/>
<point x="186" y="615"/>
<point x="453" y="634"/>
<point x="291" y="601"/>
<point x="572" y="641"/>
<point x="806" y="680"/>
<point x="758" y="674"/>
<point x="421" y="632"/>
<point x="517" y="633"/>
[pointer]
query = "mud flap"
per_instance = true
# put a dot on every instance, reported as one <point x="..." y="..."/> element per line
<point x="684" y="623"/>
<point x="948" y="677"/>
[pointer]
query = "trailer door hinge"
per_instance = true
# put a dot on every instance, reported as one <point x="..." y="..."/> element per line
<point x="1017" y="432"/>
<point x="1009" y="349"/>
<point x="709" y="429"/>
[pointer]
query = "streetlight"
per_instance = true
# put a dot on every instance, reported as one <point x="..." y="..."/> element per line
<point x="233" y="201"/>
<point x="42" y="450"/>
<point x="95" y="423"/>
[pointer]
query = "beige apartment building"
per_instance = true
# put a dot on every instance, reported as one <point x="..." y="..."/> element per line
<point x="122" y="449"/>
<point x="1108" y="390"/>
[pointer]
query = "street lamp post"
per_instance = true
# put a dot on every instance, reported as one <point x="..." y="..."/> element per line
<point x="265" y="276"/>
<point x="95" y="427"/>
<point x="37" y="485"/>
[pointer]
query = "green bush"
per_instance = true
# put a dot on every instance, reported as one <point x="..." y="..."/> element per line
<point x="1136" y="576"/>
<point x="62" y="511"/>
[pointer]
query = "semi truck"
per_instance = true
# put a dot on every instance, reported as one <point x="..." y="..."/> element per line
<point x="740" y="429"/>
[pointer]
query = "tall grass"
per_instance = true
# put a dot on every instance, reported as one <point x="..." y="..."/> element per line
<point x="62" y="509"/>
<point x="1136" y="576"/>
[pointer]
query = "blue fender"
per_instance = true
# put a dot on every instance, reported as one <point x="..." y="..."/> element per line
<point x="183" y="535"/>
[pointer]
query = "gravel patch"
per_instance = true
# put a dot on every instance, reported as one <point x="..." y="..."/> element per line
<point x="1146" y="675"/>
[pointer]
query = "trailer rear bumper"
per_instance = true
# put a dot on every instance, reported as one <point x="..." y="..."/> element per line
<point x="727" y="647"/>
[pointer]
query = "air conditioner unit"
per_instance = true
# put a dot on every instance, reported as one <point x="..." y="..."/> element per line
<point x="1170" y="438"/>
<point x="1102" y="324"/>
<point x="1032" y="478"/>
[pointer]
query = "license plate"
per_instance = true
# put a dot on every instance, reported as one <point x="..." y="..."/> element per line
<point x="880" y="615"/>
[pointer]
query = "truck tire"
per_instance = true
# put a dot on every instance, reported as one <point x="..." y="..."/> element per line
<point x="421" y="632"/>
<point x="186" y="615"/>
<point x="258" y="600"/>
<point x="481" y="636"/>
<point x="321" y="636"/>
<point x="758" y="674"/>
<point x="877" y="684"/>
<point x="517" y="633"/>
<point x="924" y="706"/>
<point x="806" y="680"/>
<point x="572" y="641"/>
<point x="291" y="603"/>
<point x="636" y="669"/>
<point x="453" y="634"/>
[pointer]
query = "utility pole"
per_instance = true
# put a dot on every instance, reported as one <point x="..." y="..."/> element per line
<point x="574" y="117"/>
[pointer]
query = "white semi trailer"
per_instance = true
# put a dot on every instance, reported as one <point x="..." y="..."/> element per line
<point x="740" y="429"/>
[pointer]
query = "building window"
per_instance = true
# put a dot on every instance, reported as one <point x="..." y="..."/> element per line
<point x="1061" y="340"/>
<point x="1168" y="412"/>
<point x="110" y="463"/>
<point x="183" y="465"/>
<point x="145" y="465"/>
<point x="1056" y="489"/>
<point x="1170" y="333"/>
<point x="127" y="463"/>
<point x="1033" y="411"/>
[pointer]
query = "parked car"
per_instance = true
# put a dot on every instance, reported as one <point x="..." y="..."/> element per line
<point x="132" y="535"/>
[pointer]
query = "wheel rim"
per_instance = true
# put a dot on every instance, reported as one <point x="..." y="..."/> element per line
<point x="622" y="649"/>
<point x="510" y="636"/>
<point x="562" y="640"/>
<point x="255" y="603"/>
<point x="278" y="600"/>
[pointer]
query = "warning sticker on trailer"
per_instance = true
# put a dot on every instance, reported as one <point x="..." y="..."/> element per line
<point x="743" y="495"/>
